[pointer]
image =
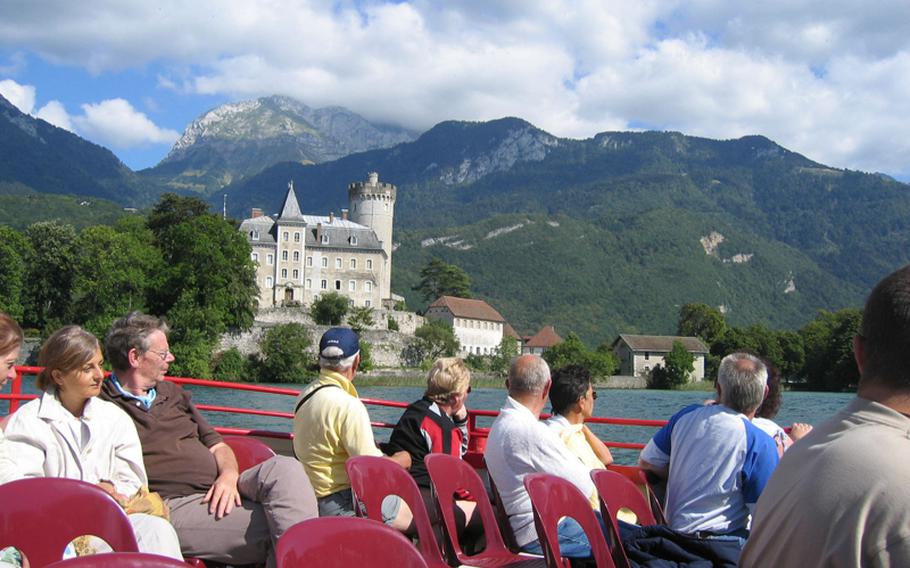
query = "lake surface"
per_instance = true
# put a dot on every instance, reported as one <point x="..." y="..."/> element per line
<point x="808" y="407"/>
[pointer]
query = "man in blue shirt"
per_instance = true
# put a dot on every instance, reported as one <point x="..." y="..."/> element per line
<point x="715" y="461"/>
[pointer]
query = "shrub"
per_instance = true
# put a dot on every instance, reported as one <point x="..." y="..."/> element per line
<point x="329" y="309"/>
<point x="285" y="358"/>
<point x="231" y="366"/>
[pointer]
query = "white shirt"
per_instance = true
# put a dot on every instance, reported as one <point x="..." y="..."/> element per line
<point x="40" y="439"/>
<point x="520" y="444"/>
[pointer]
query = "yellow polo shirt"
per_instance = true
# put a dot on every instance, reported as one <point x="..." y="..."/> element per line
<point x="330" y="427"/>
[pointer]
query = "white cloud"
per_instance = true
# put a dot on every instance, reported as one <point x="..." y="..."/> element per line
<point x="21" y="96"/>
<point x="114" y="122"/>
<point x="55" y="113"/>
<point x="827" y="78"/>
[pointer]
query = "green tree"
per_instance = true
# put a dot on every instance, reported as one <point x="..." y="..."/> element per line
<point x="572" y="351"/>
<point x="366" y="357"/>
<point x="172" y="210"/>
<point x="14" y="250"/>
<point x="361" y="318"/>
<point x="285" y="357"/>
<point x="49" y="274"/>
<point x="702" y="321"/>
<point x="439" y="278"/>
<point x="230" y="366"/>
<point x="679" y="364"/>
<point x="502" y="357"/>
<point x="828" y="341"/>
<point x="329" y="309"/>
<point x="432" y="340"/>
<point x="192" y="351"/>
<point x="109" y="276"/>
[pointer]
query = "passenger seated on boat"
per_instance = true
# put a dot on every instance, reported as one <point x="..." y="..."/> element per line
<point x="572" y="397"/>
<point x="715" y="461"/>
<point x="331" y="424"/>
<point x="68" y="432"/>
<point x="10" y="345"/>
<point x="519" y="444"/>
<point x="437" y="423"/>
<point x="839" y="498"/>
<point x="764" y="416"/>
<point x="219" y="513"/>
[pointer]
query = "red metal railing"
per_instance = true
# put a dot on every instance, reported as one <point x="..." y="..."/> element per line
<point x="478" y="435"/>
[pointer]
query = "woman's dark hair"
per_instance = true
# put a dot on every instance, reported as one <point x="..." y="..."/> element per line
<point x="772" y="402"/>
<point x="10" y="334"/>
<point x="69" y="348"/>
<point x="569" y="384"/>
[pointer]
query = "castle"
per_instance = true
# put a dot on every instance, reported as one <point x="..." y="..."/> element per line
<point x="299" y="256"/>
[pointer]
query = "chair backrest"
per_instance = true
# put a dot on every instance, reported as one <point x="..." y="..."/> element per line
<point x="448" y="475"/>
<point x="40" y="516"/>
<point x="110" y="559"/>
<point x="552" y="498"/>
<point x="618" y="492"/>
<point x="372" y="479"/>
<point x="342" y="542"/>
<point x="249" y="451"/>
<point x="502" y="518"/>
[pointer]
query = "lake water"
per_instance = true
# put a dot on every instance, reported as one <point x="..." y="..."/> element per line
<point x="808" y="407"/>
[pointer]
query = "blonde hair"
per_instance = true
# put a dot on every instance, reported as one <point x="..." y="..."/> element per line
<point x="10" y="334"/>
<point x="68" y="348"/>
<point x="447" y="376"/>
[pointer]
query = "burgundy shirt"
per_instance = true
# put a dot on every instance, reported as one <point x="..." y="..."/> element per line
<point x="175" y="440"/>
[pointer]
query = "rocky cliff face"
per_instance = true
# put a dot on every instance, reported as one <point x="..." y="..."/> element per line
<point x="237" y="140"/>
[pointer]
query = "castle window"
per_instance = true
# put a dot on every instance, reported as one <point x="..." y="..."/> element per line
<point x="296" y="274"/>
<point x="352" y="285"/>
<point x="296" y="256"/>
<point x="353" y="264"/>
<point x="268" y="282"/>
<point x="369" y="264"/>
<point x="337" y="263"/>
<point x="309" y="283"/>
<point x="368" y="303"/>
<point x="353" y="240"/>
<point x="309" y="261"/>
<point x="284" y="272"/>
<point x="254" y="234"/>
<point x="285" y="236"/>
<point x="367" y="286"/>
<point x="270" y="259"/>
<point x="254" y="256"/>
<point x="324" y="284"/>
<point x="324" y="239"/>
<point x="296" y="237"/>
<point x="325" y="262"/>
<point x="338" y="284"/>
<point x="284" y="255"/>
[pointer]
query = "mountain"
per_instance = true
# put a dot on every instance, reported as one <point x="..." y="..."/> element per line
<point x="616" y="232"/>
<point x="234" y="141"/>
<point x="36" y="156"/>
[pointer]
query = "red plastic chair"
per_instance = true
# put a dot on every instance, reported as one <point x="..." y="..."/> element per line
<point x="249" y="451"/>
<point x="110" y="559"/>
<point x="553" y="498"/>
<point x="449" y="475"/>
<point x="372" y="479"/>
<point x="617" y="492"/>
<point x="343" y="542"/>
<point x="40" y="516"/>
<point x="502" y="518"/>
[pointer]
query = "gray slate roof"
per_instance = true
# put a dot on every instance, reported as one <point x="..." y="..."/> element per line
<point x="660" y="343"/>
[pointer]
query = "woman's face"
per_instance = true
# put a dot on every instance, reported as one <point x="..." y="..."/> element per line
<point x="8" y="366"/>
<point x="82" y="382"/>
<point x="587" y="402"/>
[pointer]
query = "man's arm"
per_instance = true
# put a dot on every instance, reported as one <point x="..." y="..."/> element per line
<point x="223" y="495"/>
<point x="662" y="472"/>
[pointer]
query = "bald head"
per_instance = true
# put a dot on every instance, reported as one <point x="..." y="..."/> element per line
<point x="529" y="374"/>
<point x="742" y="379"/>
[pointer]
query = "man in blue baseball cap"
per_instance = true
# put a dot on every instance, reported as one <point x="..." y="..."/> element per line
<point x="331" y="424"/>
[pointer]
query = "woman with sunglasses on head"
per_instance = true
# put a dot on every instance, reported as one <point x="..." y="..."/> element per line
<point x="69" y="432"/>
<point x="437" y="423"/>
<point x="572" y="397"/>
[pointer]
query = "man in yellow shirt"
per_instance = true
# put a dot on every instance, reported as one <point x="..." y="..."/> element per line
<point x="331" y="424"/>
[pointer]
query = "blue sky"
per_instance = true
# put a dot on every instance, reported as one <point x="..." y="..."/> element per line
<point x="829" y="79"/>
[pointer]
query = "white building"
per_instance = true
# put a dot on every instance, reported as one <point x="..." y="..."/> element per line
<point x="639" y="354"/>
<point x="302" y="256"/>
<point x="477" y="326"/>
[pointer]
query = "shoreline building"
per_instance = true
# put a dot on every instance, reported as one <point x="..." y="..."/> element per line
<point x="477" y="325"/>
<point x="299" y="257"/>
<point x="639" y="354"/>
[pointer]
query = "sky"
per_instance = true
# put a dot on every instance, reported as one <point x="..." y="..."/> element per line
<point x="829" y="79"/>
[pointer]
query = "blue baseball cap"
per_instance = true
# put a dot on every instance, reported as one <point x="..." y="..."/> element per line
<point x="339" y="343"/>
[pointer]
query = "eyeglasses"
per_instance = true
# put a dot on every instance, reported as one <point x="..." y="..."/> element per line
<point x="162" y="354"/>
<point x="594" y="394"/>
<point x="468" y="391"/>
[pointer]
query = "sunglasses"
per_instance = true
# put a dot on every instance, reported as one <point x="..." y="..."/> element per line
<point x="594" y="394"/>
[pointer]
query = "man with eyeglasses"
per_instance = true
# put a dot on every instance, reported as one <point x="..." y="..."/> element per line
<point x="219" y="513"/>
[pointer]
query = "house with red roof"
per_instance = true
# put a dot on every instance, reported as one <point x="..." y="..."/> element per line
<point x="477" y="325"/>
<point x="541" y="341"/>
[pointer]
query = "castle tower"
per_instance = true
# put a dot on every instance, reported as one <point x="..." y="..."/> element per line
<point x="373" y="205"/>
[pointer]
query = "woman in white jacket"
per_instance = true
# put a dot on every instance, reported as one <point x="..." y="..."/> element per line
<point x="69" y="432"/>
